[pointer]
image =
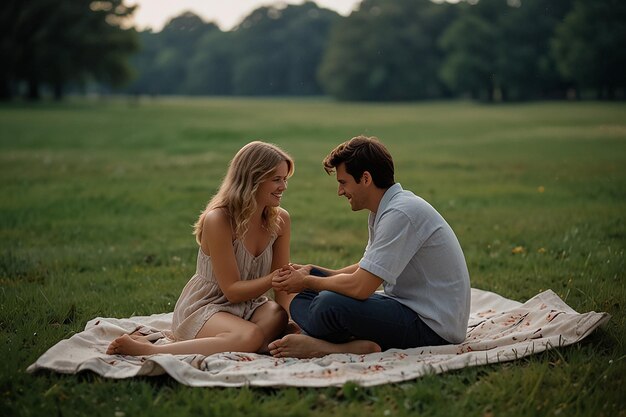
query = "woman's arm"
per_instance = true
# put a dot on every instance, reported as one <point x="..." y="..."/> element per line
<point x="217" y="242"/>
<point x="281" y="253"/>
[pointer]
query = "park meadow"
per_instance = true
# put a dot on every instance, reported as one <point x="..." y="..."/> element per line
<point x="99" y="196"/>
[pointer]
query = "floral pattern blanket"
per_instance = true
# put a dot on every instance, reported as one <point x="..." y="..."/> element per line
<point x="499" y="330"/>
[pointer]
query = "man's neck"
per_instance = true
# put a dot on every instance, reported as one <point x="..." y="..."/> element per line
<point x="376" y="198"/>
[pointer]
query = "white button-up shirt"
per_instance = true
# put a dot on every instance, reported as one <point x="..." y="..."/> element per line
<point x="417" y="255"/>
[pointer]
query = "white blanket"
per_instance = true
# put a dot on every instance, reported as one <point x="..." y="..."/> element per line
<point x="499" y="330"/>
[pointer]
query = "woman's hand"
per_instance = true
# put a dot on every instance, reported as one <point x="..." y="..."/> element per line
<point x="290" y="279"/>
<point x="298" y="267"/>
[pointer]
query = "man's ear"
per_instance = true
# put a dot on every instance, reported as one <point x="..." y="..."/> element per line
<point x="366" y="178"/>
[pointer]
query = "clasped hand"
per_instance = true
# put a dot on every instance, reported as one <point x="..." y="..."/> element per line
<point x="290" y="278"/>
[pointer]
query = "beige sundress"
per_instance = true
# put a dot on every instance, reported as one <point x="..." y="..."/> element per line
<point x="202" y="296"/>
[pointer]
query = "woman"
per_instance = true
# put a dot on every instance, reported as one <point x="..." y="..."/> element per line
<point x="244" y="241"/>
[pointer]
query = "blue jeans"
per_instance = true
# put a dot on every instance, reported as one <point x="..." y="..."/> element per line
<point x="338" y="318"/>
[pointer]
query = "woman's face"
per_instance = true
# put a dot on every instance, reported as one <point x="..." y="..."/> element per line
<point x="271" y="190"/>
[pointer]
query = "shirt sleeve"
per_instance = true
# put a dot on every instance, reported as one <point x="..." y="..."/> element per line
<point x="395" y="242"/>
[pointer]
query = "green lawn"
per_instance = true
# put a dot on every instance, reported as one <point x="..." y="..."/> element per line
<point x="98" y="199"/>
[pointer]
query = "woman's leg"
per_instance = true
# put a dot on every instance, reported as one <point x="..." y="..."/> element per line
<point x="283" y="299"/>
<point x="272" y="320"/>
<point x="223" y="332"/>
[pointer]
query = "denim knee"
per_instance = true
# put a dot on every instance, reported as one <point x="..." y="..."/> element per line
<point x="328" y="301"/>
<point x="300" y="304"/>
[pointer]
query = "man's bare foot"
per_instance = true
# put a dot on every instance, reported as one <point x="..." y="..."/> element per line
<point x="303" y="346"/>
<point x="126" y="345"/>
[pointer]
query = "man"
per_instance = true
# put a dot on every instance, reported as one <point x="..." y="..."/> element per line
<point x="411" y="251"/>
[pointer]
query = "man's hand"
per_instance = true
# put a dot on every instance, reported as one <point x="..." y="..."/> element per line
<point x="298" y="267"/>
<point x="291" y="278"/>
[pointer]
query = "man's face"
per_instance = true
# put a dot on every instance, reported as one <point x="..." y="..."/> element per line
<point x="349" y="188"/>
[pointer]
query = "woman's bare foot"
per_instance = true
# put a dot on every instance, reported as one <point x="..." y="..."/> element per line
<point x="139" y="337"/>
<point x="126" y="345"/>
<point x="303" y="346"/>
<point x="137" y="334"/>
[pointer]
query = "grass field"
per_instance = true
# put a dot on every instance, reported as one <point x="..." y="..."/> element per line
<point x="98" y="198"/>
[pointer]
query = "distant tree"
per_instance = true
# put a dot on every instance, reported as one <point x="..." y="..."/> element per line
<point x="278" y="50"/>
<point x="164" y="59"/>
<point x="272" y="51"/>
<point x="178" y="45"/>
<point x="387" y="50"/>
<point x="525" y="65"/>
<point x="147" y="79"/>
<point x="260" y="66"/>
<point x="307" y="32"/>
<point x="501" y="48"/>
<point x="590" y="46"/>
<point x="55" y="43"/>
<point x="469" y="66"/>
<point x="210" y="68"/>
<point x="473" y="44"/>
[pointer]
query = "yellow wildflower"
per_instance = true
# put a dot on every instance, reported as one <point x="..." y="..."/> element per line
<point x="518" y="249"/>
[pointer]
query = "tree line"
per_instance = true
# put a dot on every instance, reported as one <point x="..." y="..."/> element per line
<point x="51" y="43"/>
<point x="271" y="52"/>
<point x="385" y="50"/>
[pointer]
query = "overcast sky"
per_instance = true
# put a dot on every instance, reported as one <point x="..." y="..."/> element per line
<point x="225" y="13"/>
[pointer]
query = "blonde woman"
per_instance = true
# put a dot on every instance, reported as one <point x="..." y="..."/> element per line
<point x="243" y="235"/>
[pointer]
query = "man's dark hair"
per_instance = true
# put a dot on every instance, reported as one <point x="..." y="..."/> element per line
<point x="362" y="154"/>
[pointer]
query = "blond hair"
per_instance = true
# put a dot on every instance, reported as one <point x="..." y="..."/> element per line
<point x="253" y="164"/>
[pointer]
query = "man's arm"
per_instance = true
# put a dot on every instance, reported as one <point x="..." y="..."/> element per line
<point x="359" y="284"/>
<point x="348" y="269"/>
<point x="327" y="271"/>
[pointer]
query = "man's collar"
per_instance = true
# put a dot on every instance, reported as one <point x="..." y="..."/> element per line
<point x="384" y="202"/>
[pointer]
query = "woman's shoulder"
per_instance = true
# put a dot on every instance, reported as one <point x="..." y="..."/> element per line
<point x="217" y="219"/>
